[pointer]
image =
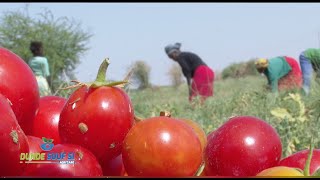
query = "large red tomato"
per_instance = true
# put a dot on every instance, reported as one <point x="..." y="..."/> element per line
<point x="161" y="146"/>
<point x="242" y="146"/>
<point x="47" y="118"/>
<point x="13" y="141"/>
<point x="298" y="160"/>
<point x="19" y="85"/>
<point x="97" y="118"/>
<point x="85" y="163"/>
<point x="114" y="167"/>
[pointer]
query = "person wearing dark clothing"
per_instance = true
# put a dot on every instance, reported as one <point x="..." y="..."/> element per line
<point x="195" y="70"/>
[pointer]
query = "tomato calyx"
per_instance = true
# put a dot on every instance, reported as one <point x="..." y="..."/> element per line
<point x="100" y="80"/>
<point x="101" y="77"/>
<point x="165" y="113"/>
<point x="162" y="113"/>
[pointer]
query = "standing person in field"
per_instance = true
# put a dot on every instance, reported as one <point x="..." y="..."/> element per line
<point x="309" y="62"/>
<point x="195" y="70"/>
<point x="283" y="73"/>
<point x="40" y="67"/>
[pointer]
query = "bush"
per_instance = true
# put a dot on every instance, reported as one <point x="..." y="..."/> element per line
<point x="175" y="75"/>
<point x="217" y="75"/>
<point x="240" y="70"/>
<point x="64" y="40"/>
<point x="141" y="74"/>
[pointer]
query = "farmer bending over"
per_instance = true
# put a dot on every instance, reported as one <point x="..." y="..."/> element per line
<point x="309" y="62"/>
<point x="283" y="73"/>
<point x="195" y="70"/>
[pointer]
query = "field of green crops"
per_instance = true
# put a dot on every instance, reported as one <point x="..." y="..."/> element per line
<point x="293" y="115"/>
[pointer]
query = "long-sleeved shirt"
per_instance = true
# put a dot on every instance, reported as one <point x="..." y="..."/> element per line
<point x="189" y="63"/>
<point x="313" y="55"/>
<point x="277" y="68"/>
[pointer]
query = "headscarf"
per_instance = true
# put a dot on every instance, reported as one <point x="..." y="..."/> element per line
<point x="261" y="63"/>
<point x="172" y="48"/>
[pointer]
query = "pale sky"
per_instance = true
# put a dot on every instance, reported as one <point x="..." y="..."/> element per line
<point x="220" y="33"/>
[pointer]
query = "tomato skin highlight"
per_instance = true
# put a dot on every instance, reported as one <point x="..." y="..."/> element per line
<point x="161" y="146"/>
<point x="278" y="171"/>
<point x="242" y="146"/>
<point x="19" y="85"/>
<point x="97" y="119"/>
<point x="298" y="160"/>
<point x="46" y="122"/>
<point x="13" y="141"/>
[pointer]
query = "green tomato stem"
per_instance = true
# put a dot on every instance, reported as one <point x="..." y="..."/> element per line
<point x="101" y="76"/>
<point x="308" y="162"/>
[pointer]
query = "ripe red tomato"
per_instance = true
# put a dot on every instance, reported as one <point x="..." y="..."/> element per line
<point x="85" y="164"/>
<point x="46" y="122"/>
<point x="161" y="146"/>
<point x="97" y="119"/>
<point x="298" y="160"/>
<point x="19" y="85"/>
<point x="114" y="167"/>
<point x="242" y="146"/>
<point x="13" y="141"/>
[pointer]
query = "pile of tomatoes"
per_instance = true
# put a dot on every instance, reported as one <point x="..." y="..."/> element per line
<point x="97" y="124"/>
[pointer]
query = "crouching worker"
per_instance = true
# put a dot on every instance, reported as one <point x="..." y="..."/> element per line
<point x="195" y="70"/>
<point x="283" y="73"/>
